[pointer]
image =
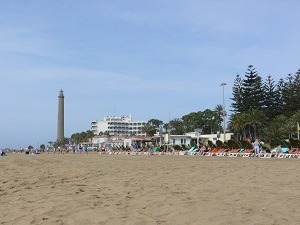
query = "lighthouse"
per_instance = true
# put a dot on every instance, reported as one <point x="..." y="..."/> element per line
<point x="60" y="119"/>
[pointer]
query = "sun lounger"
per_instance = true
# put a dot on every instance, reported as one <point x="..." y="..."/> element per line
<point x="183" y="153"/>
<point x="154" y="148"/>
<point x="261" y="155"/>
<point x="212" y="152"/>
<point x="247" y="153"/>
<point x="269" y="155"/>
<point x="293" y="153"/>
<point x="234" y="153"/>
<point x="193" y="151"/>
<point x="284" y="153"/>
<point x="222" y="152"/>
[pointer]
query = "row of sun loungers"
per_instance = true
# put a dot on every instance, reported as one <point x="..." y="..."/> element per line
<point x="295" y="153"/>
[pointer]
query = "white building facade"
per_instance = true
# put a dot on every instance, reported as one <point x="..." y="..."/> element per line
<point x="204" y="138"/>
<point x="118" y="125"/>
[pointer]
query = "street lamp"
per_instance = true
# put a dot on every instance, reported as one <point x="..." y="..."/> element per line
<point x="224" y="111"/>
<point x="298" y="129"/>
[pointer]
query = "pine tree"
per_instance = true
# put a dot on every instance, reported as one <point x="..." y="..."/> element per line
<point x="252" y="92"/>
<point x="296" y="92"/>
<point x="271" y="103"/>
<point x="291" y="94"/>
<point x="279" y="99"/>
<point x="236" y="105"/>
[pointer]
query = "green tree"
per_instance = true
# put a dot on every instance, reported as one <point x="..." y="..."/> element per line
<point x="192" y="121"/>
<point x="291" y="94"/>
<point x="279" y="91"/>
<point x="289" y="128"/>
<point x="78" y="138"/>
<point x="152" y="126"/>
<point x="176" y="126"/>
<point x="294" y="120"/>
<point x="89" y="135"/>
<point x="275" y="132"/>
<point x="61" y="143"/>
<point x="211" y="121"/>
<point x="149" y="129"/>
<point x="104" y="133"/>
<point x="296" y="117"/>
<point x="75" y="138"/>
<point x="237" y="93"/>
<point x="155" y="123"/>
<point x="256" y="119"/>
<point x="252" y="91"/>
<point x="220" y="111"/>
<point x="272" y="100"/>
<point x="239" y="122"/>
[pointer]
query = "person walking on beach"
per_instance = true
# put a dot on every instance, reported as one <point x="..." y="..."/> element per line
<point x="256" y="146"/>
<point x="2" y="153"/>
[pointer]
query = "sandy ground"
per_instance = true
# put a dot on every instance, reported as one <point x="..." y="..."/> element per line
<point x="125" y="189"/>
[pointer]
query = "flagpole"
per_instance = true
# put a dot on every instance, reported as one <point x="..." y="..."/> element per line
<point x="224" y="113"/>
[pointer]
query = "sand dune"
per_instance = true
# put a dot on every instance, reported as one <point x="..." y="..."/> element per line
<point x="125" y="189"/>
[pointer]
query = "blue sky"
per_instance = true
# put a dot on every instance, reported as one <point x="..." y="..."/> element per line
<point x="152" y="59"/>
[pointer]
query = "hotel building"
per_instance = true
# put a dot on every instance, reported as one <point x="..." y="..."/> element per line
<point x="118" y="125"/>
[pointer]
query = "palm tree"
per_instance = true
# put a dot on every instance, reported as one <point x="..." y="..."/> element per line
<point x="75" y="138"/>
<point x="176" y="126"/>
<point x="256" y="119"/>
<point x="149" y="129"/>
<point x="221" y="113"/>
<point x="239" y="122"/>
<point x="275" y="132"/>
<point x="295" y="120"/>
<point x="89" y="135"/>
<point x="296" y="116"/>
<point x="289" y="127"/>
<point x="155" y="122"/>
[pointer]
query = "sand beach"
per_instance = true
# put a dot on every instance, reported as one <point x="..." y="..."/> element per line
<point x="148" y="190"/>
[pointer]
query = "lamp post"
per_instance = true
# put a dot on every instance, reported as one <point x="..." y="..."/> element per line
<point x="168" y="137"/>
<point x="298" y="129"/>
<point x="224" y="111"/>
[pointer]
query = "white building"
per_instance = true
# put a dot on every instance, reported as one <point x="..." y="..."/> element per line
<point x="204" y="138"/>
<point x="118" y="125"/>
